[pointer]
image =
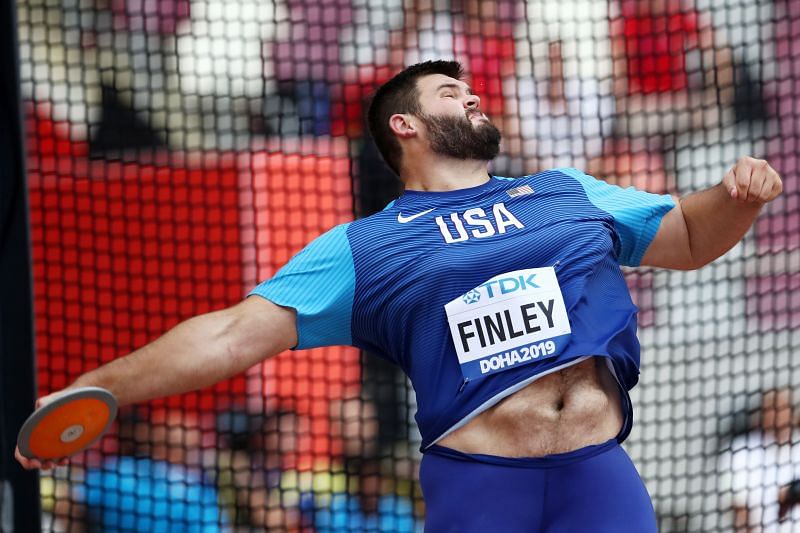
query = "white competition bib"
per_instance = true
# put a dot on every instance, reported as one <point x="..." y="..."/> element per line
<point x="510" y="320"/>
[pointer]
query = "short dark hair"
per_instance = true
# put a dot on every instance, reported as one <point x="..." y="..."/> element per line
<point x="401" y="95"/>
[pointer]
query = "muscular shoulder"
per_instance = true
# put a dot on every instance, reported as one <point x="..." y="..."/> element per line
<point x="562" y="179"/>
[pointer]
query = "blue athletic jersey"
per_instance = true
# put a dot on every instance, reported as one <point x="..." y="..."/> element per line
<point x="381" y="284"/>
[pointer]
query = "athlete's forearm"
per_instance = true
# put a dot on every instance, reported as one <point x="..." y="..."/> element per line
<point x="195" y="354"/>
<point x="192" y="355"/>
<point x="715" y="222"/>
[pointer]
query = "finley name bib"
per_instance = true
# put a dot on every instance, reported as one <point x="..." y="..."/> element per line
<point x="510" y="320"/>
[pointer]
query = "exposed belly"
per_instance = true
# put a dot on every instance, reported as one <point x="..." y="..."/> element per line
<point x="569" y="409"/>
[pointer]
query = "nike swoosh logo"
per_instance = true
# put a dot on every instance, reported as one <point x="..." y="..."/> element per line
<point x="401" y="219"/>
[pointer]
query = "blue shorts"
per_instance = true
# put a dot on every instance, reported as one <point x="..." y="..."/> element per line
<point x="595" y="489"/>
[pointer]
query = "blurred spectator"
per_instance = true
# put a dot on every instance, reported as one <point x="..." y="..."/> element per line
<point x="104" y="68"/>
<point x="155" y="484"/>
<point x="671" y="72"/>
<point x="377" y="25"/>
<point x="563" y="120"/>
<point x="128" y="74"/>
<point x="354" y="423"/>
<point x="365" y="505"/>
<point x="560" y="100"/>
<point x="357" y="495"/>
<point x="256" y="451"/>
<point x="57" y="67"/>
<point x="747" y="26"/>
<point x="226" y="74"/>
<point x="761" y="465"/>
<point x="633" y="163"/>
<point x="308" y="63"/>
<point x="674" y="85"/>
<point x="784" y="98"/>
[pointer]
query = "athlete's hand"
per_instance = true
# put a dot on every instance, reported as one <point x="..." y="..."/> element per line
<point x="752" y="181"/>
<point x="30" y="464"/>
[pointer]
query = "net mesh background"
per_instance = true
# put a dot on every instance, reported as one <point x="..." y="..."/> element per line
<point x="180" y="151"/>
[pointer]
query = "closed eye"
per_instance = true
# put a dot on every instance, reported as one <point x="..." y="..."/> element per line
<point x="451" y="90"/>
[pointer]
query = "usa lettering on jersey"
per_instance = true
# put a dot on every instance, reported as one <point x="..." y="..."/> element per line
<point x="476" y="223"/>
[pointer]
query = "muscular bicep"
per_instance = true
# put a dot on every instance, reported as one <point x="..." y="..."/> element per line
<point x="670" y="248"/>
<point x="260" y="329"/>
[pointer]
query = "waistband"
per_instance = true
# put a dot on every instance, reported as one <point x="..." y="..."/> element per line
<point x="548" y="461"/>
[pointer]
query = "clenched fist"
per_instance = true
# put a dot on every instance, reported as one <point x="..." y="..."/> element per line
<point x="752" y="180"/>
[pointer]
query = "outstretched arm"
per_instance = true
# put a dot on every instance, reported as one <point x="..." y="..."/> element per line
<point x="705" y="225"/>
<point x="198" y="352"/>
<point x="194" y="354"/>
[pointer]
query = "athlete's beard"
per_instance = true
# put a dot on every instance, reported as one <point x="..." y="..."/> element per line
<point x="459" y="138"/>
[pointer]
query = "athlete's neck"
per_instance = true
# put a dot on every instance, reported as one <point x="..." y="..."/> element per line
<point x="442" y="174"/>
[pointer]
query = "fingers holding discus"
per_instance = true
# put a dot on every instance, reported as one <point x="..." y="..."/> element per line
<point x="753" y="181"/>
<point x="65" y="425"/>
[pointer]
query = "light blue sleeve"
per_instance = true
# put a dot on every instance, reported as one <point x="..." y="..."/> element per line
<point x="637" y="214"/>
<point x="319" y="283"/>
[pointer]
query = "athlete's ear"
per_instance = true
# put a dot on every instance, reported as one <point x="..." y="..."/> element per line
<point x="403" y="125"/>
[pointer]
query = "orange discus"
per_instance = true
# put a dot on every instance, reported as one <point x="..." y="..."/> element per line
<point x="67" y="425"/>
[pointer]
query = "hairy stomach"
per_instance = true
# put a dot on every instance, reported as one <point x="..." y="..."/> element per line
<point x="564" y="411"/>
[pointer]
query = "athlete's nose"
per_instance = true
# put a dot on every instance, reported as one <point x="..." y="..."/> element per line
<point x="473" y="101"/>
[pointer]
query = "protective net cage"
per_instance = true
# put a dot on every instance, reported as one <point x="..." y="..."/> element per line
<point x="180" y="151"/>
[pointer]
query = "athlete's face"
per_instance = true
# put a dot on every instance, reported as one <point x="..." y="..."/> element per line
<point x="454" y="123"/>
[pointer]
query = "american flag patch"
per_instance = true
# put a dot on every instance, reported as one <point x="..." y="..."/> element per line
<point x="520" y="191"/>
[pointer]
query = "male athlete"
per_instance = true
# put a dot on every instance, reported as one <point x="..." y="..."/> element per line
<point x="501" y="299"/>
